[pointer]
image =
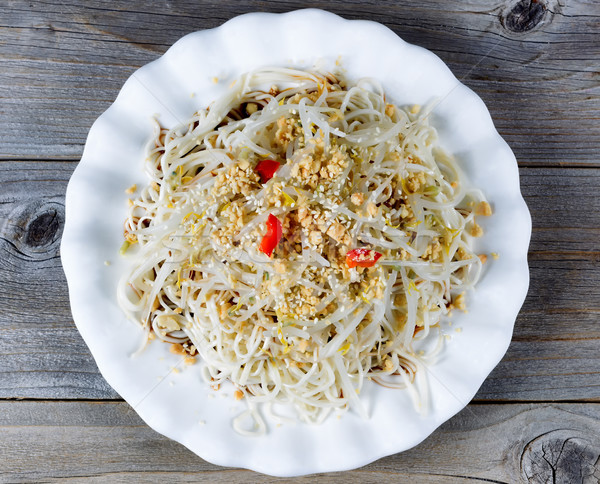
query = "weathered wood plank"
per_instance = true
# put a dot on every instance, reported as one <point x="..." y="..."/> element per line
<point x="40" y="346"/>
<point x="92" y="442"/>
<point x="556" y="345"/>
<point x="63" y="64"/>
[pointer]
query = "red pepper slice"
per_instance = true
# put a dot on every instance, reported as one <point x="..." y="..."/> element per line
<point x="273" y="235"/>
<point x="362" y="257"/>
<point x="266" y="169"/>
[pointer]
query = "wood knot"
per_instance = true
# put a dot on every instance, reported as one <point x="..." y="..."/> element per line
<point x="35" y="228"/>
<point x="562" y="456"/>
<point x="524" y="16"/>
<point x="42" y="230"/>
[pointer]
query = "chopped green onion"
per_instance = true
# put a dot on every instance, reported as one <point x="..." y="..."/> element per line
<point x="124" y="247"/>
<point x="432" y="191"/>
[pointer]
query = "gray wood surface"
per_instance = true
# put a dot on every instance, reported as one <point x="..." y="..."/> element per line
<point x="92" y="442"/>
<point x="64" y="62"/>
<point x="537" y="67"/>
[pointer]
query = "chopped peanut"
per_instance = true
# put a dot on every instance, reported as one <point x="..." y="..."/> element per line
<point x="251" y="108"/>
<point x="483" y="208"/>
<point x="371" y="209"/>
<point x="177" y="349"/>
<point x="357" y="199"/>
<point x="459" y="302"/>
<point x="476" y="230"/>
<point x="303" y="345"/>
<point x="131" y="189"/>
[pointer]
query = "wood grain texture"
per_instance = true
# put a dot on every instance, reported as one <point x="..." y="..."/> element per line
<point x="92" y="442"/>
<point x="554" y="354"/>
<point x="534" y="63"/>
<point x="63" y="63"/>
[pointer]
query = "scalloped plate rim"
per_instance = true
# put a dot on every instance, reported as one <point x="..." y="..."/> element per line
<point x="89" y="332"/>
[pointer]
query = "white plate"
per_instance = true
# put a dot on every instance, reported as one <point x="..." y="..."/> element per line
<point x="180" y="405"/>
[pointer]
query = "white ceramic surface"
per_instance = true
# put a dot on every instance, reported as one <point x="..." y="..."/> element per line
<point x="180" y="405"/>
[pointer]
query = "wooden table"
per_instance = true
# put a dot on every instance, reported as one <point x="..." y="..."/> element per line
<point x="536" y="64"/>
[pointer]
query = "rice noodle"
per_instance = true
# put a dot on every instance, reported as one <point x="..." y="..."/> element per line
<point x="300" y="328"/>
